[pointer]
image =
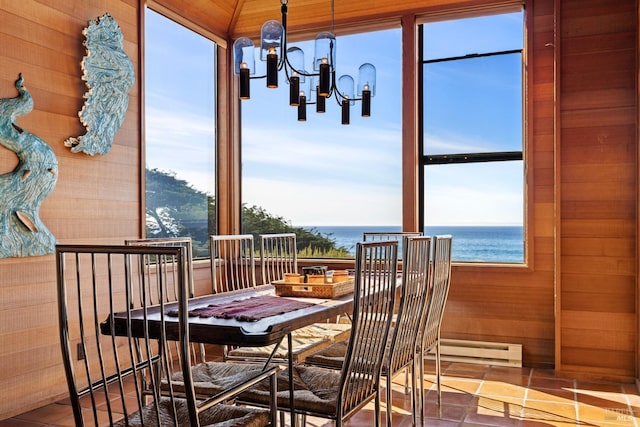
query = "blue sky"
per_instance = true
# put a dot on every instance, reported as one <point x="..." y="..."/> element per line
<point x="320" y="172"/>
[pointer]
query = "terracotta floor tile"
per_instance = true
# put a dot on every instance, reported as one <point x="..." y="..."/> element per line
<point x="618" y="416"/>
<point x="445" y="412"/>
<point x="49" y="414"/>
<point x="601" y="399"/>
<point x="13" y="422"/>
<point x="551" y="383"/>
<point x="500" y="388"/>
<point x="558" y="395"/>
<point x="515" y="378"/>
<point x="472" y="396"/>
<point x="553" y="410"/>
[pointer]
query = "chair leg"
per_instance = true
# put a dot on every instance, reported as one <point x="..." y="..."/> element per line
<point x="438" y="371"/>
<point x="406" y="380"/>
<point x="389" y="402"/>
<point x="421" y="386"/>
<point x="377" y="408"/>
<point x="414" y="390"/>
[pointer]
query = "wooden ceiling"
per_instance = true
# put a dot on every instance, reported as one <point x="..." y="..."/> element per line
<point x="230" y="19"/>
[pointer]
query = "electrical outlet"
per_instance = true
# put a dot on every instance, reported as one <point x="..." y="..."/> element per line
<point x="80" y="351"/>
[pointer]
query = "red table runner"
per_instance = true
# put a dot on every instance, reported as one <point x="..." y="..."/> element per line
<point x="248" y="310"/>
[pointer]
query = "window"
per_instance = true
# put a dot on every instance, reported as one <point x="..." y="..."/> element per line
<point x="472" y="138"/>
<point x="180" y="132"/>
<point x="323" y="180"/>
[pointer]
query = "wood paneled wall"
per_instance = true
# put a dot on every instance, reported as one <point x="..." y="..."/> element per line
<point x="573" y="306"/>
<point x="96" y="199"/>
<point x="598" y="164"/>
<point x="516" y="304"/>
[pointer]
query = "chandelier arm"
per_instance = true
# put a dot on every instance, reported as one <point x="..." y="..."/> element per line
<point x="328" y="73"/>
<point x="284" y="61"/>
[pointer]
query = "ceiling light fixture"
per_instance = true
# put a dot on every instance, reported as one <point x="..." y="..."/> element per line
<point x="322" y="81"/>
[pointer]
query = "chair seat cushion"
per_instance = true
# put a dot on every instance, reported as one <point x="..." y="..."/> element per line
<point x="306" y="341"/>
<point x="333" y="356"/>
<point x="217" y="416"/>
<point x="316" y="390"/>
<point x="329" y="357"/>
<point x="211" y="378"/>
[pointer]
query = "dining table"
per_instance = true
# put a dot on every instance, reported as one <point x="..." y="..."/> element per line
<point x="249" y="317"/>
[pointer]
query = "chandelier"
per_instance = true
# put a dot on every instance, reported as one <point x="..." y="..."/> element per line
<point x="302" y="83"/>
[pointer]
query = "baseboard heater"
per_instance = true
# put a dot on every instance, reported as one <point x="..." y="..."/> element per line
<point x="481" y="352"/>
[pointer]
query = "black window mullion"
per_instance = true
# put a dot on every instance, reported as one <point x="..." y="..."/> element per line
<point x="472" y="55"/>
<point x="442" y="159"/>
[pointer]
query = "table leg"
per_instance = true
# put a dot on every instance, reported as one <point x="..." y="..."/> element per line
<point x="291" y="391"/>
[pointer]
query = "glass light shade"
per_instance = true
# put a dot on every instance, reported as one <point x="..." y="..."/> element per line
<point x="367" y="79"/>
<point x="244" y="52"/>
<point x="295" y="56"/>
<point x="346" y="87"/>
<point x="325" y="48"/>
<point x="271" y="38"/>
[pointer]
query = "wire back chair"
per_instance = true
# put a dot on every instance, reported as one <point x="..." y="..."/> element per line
<point x="403" y="339"/>
<point x="432" y="319"/>
<point x="233" y="262"/>
<point x="124" y="374"/>
<point x="337" y="395"/>
<point x="198" y="352"/>
<point x="172" y="241"/>
<point x="375" y="236"/>
<point x="401" y="351"/>
<point x="278" y="255"/>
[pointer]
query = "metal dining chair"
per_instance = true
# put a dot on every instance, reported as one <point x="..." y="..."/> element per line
<point x="233" y="264"/>
<point x="432" y="318"/>
<point x="172" y="241"/>
<point x="278" y="255"/>
<point x="374" y="236"/>
<point x="125" y="375"/>
<point x="198" y="351"/>
<point x="337" y="395"/>
<point x="403" y="339"/>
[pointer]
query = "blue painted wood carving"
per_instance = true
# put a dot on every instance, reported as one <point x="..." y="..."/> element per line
<point x="22" y="190"/>
<point x="108" y="74"/>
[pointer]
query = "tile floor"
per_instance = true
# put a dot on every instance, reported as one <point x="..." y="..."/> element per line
<point x="472" y="395"/>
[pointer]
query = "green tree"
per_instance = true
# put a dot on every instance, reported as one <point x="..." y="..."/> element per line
<point x="310" y="242"/>
<point x="175" y="209"/>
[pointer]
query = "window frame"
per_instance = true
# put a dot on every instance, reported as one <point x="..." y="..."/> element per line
<point x="425" y="160"/>
<point x="218" y="44"/>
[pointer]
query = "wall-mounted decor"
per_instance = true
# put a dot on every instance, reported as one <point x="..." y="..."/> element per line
<point x="108" y="74"/>
<point x="22" y="190"/>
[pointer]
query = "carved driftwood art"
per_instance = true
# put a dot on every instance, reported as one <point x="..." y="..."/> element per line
<point x="108" y="73"/>
<point x="22" y="191"/>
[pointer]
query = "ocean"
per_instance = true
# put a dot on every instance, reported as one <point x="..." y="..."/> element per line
<point x="480" y="244"/>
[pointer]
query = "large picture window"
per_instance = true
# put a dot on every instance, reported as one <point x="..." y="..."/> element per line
<point x="326" y="181"/>
<point x="180" y="132"/>
<point x="472" y="139"/>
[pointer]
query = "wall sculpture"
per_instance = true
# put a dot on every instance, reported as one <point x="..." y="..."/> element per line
<point x="22" y="190"/>
<point x="108" y="74"/>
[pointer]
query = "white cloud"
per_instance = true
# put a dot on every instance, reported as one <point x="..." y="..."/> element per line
<point x="326" y="203"/>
